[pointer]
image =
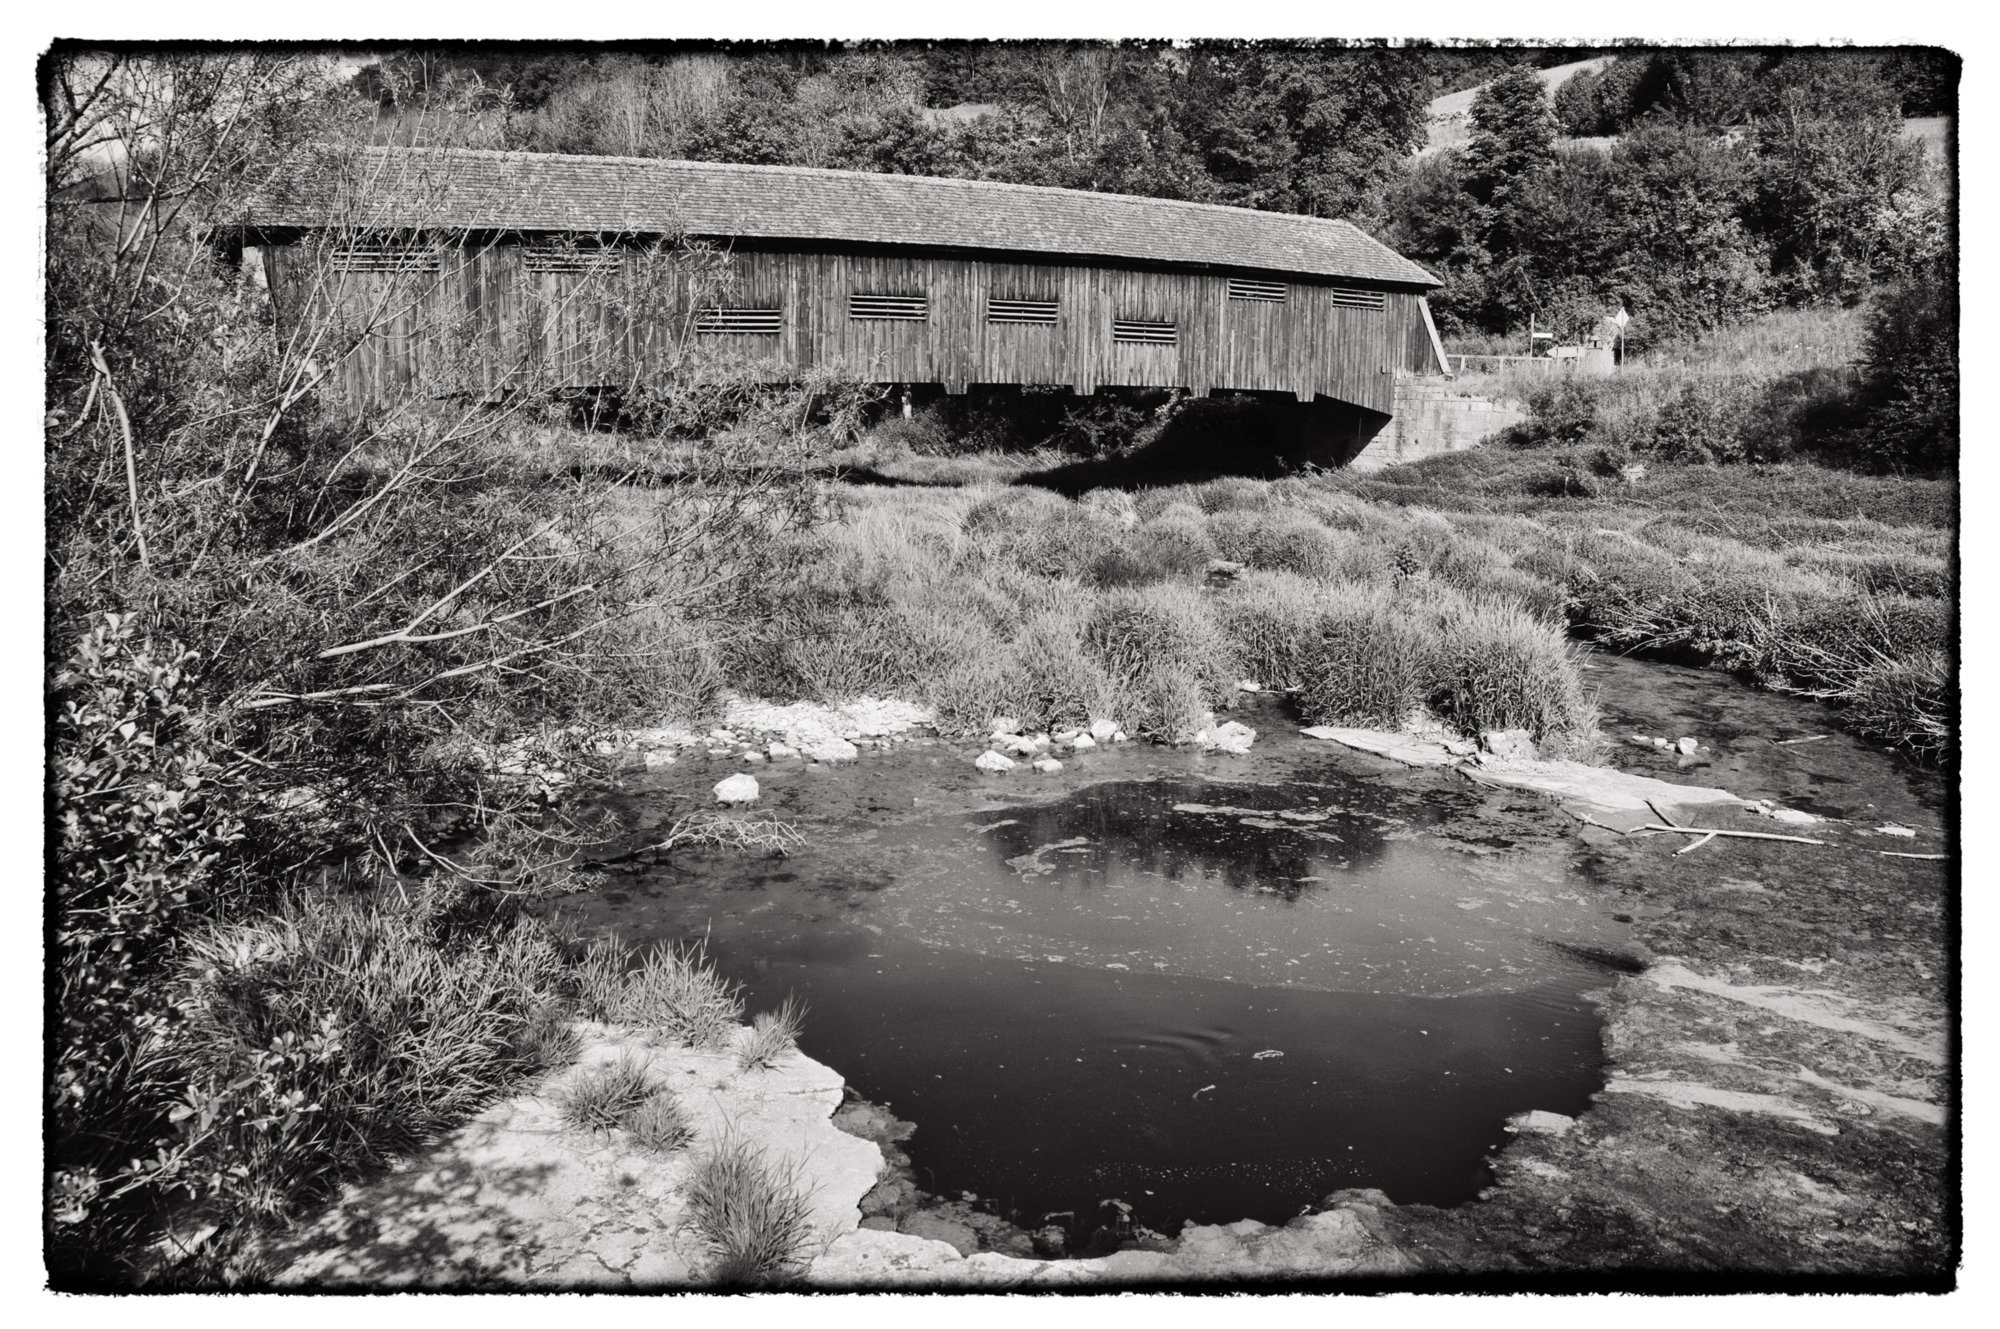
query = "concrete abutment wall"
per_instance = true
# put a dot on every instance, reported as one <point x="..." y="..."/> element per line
<point x="1433" y="416"/>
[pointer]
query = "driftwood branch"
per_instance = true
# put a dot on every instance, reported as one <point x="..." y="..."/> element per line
<point x="1734" y="835"/>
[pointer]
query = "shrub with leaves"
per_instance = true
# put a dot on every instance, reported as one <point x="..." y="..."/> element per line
<point x="143" y="815"/>
<point x="1560" y="413"/>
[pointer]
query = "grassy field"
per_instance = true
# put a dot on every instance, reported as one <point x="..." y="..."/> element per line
<point x="1449" y="590"/>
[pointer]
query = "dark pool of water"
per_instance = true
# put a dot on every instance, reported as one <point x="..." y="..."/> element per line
<point x="1208" y="1000"/>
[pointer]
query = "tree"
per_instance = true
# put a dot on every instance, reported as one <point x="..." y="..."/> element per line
<point x="1570" y="245"/>
<point x="1434" y="219"/>
<point x="1684" y="259"/>
<point x="1314" y="130"/>
<point x="1910" y="411"/>
<point x="1834" y="171"/>
<point x="1513" y="134"/>
<point x="1513" y="142"/>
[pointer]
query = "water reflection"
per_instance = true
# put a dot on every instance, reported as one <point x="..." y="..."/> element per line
<point x="1211" y="1001"/>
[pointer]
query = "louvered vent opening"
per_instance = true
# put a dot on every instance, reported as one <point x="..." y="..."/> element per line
<point x="1355" y="299"/>
<point x="889" y="306"/>
<point x="739" y="322"/>
<point x="1141" y="333"/>
<point x="1265" y="292"/>
<point x="385" y="256"/>
<point x="1021" y="311"/>
<point x="569" y="260"/>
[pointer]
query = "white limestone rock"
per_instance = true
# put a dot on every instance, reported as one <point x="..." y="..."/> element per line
<point x="1229" y="736"/>
<point x="1509" y="744"/>
<point x="992" y="762"/>
<point x="736" y="789"/>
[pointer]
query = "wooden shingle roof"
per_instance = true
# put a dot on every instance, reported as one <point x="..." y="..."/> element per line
<point x="463" y="188"/>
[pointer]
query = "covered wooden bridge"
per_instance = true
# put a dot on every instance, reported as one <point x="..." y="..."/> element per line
<point x="544" y="259"/>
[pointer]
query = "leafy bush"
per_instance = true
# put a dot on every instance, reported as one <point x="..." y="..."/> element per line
<point x="1561" y="412"/>
<point x="1707" y="422"/>
<point x="291" y="1060"/>
<point x="143" y="815"/>
<point x="1910" y="417"/>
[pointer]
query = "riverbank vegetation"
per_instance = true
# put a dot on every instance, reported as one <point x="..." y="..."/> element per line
<point x="322" y="693"/>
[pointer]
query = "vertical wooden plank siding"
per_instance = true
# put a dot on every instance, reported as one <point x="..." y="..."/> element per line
<point x="582" y="331"/>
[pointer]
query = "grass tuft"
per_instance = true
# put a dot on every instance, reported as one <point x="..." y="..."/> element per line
<point x="1366" y="660"/>
<point x="602" y="1098"/>
<point x="751" y="1213"/>
<point x="772" y="1035"/>
<point x="660" y="1125"/>
<point x="673" y="990"/>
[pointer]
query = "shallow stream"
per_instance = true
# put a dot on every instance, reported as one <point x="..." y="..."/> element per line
<point x="1207" y="988"/>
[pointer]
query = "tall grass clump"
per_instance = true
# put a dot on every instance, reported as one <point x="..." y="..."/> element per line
<point x="1497" y="666"/>
<point x="1367" y="661"/>
<point x="1164" y="652"/>
<point x="673" y="990"/>
<point x="750" y="1212"/>
<point x="1282" y="541"/>
<point x="1175" y="544"/>
<point x="1049" y="679"/>
<point x="1911" y="702"/>
<point x="1274" y="619"/>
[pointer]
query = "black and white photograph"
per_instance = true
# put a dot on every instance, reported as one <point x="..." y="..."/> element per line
<point x="993" y="665"/>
